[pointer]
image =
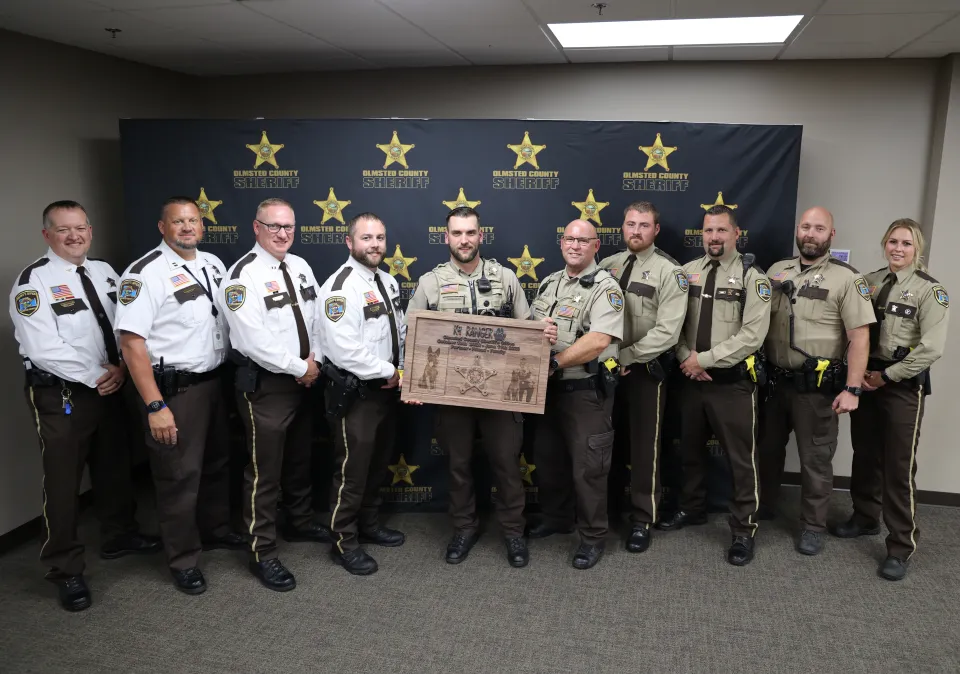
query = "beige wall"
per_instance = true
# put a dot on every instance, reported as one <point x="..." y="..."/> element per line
<point x="866" y="147"/>
<point x="59" y="115"/>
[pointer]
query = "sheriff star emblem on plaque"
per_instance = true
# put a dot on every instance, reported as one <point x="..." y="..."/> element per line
<point x="475" y="376"/>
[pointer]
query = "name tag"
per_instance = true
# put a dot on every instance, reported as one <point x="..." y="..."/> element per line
<point x="729" y="294"/>
<point x="374" y="310"/>
<point x="641" y="289"/>
<point x="69" y="307"/>
<point x="813" y="293"/>
<point x="277" y="300"/>
<point x="905" y="310"/>
<point x="308" y="293"/>
<point x="188" y="294"/>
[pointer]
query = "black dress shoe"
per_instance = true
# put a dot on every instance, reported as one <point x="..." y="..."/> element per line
<point x="189" y="581"/>
<point x="639" y="539"/>
<point x="741" y="552"/>
<point x="852" y="528"/>
<point x="130" y="544"/>
<point x="681" y="519"/>
<point x="517" y="553"/>
<point x="542" y="530"/>
<point x="229" y="541"/>
<point x="357" y="562"/>
<point x="273" y="575"/>
<point x="587" y="556"/>
<point x="311" y="533"/>
<point x="459" y="546"/>
<point x="810" y="543"/>
<point x="74" y="593"/>
<point x="388" y="538"/>
<point x="893" y="568"/>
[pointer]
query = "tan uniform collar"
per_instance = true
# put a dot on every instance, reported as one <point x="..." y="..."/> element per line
<point x="642" y="256"/>
<point x="725" y="265"/>
<point x="478" y="270"/>
<point x="589" y="269"/>
<point x="904" y="274"/>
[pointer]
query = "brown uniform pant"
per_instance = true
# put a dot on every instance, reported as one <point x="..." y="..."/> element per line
<point x="502" y="436"/>
<point x="885" y="430"/>
<point x="276" y="419"/>
<point x="730" y="411"/>
<point x="573" y="449"/>
<point x="645" y="399"/>
<point x="191" y="478"/>
<point x="362" y="446"/>
<point x="93" y="434"/>
<point x="812" y="419"/>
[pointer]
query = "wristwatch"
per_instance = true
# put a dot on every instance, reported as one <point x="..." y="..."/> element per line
<point x="855" y="390"/>
<point x="155" y="406"/>
<point x="884" y="377"/>
<point x="554" y="365"/>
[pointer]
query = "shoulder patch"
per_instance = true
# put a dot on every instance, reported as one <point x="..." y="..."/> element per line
<point x="663" y="254"/>
<point x="862" y="287"/>
<point x="926" y="277"/>
<point x="764" y="292"/>
<point x="841" y="263"/>
<point x="335" y="307"/>
<point x="250" y="257"/>
<point x="28" y="301"/>
<point x="25" y="274"/>
<point x="129" y="290"/>
<point x="234" y="296"/>
<point x="615" y="299"/>
<point x="341" y="278"/>
<point x="682" y="280"/>
<point x="138" y="266"/>
<point x="939" y="294"/>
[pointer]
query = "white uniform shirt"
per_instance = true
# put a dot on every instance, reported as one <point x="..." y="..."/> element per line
<point x="259" y="309"/>
<point x="355" y="333"/>
<point x="54" y="322"/>
<point x="162" y="301"/>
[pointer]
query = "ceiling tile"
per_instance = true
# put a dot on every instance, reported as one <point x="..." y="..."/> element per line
<point x="888" y="6"/>
<point x="618" y="55"/>
<point x="49" y="7"/>
<point x="126" y="5"/>
<point x="862" y="36"/>
<point x="733" y="52"/>
<point x="943" y="40"/>
<point x="577" y="11"/>
<point x="708" y="9"/>
<point x="80" y="28"/>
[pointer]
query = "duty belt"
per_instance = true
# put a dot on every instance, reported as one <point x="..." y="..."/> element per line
<point x="878" y="365"/>
<point x="726" y="375"/>
<point x="569" y="385"/>
<point x="185" y="379"/>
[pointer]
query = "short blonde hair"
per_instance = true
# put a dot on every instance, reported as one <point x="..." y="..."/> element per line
<point x="272" y="201"/>
<point x="918" y="243"/>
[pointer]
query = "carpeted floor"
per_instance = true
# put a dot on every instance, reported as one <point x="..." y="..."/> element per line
<point x="677" y="608"/>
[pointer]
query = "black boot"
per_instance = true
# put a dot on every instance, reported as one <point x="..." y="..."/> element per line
<point x="543" y="529"/>
<point x="388" y="538"/>
<point x="741" y="551"/>
<point x="273" y="574"/>
<point x="189" y="581"/>
<point x="852" y="528"/>
<point x="893" y="568"/>
<point x="133" y="543"/>
<point x="517" y="553"/>
<point x="639" y="539"/>
<point x="229" y="541"/>
<point x="681" y="519"/>
<point x="74" y="593"/>
<point x="587" y="555"/>
<point x="459" y="547"/>
<point x="314" y="532"/>
<point x="357" y="562"/>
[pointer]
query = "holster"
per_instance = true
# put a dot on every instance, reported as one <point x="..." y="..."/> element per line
<point x="247" y="377"/>
<point x="343" y="389"/>
<point x="664" y="365"/>
<point x="165" y="377"/>
<point x="37" y="377"/>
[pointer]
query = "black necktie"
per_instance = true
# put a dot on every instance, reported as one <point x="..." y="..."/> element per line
<point x="625" y="276"/>
<point x="705" y="326"/>
<point x="879" y="308"/>
<point x="393" y="319"/>
<point x="109" y="341"/>
<point x="297" y="315"/>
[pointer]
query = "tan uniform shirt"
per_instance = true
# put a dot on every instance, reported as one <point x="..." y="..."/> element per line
<point x="656" y="302"/>
<point x="449" y="288"/>
<point x="829" y="298"/>
<point x="916" y="316"/>
<point x="578" y="310"/>
<point x="733" y="337"/>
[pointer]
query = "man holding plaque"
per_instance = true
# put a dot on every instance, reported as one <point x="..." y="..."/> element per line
<point x="575" y="436"/>
<point x="471" y="284"/>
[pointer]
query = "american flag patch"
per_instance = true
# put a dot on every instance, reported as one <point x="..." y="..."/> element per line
<point x="693" y="278"/>
<point x="449" y="288"/>
<point x="566" y="311"/>
<point x="272" y="287"/>
<point x="370" y="297"/>
<point x="179" y="280"/>
<point x="778" y="276"/>
<point x="61" y="292"/>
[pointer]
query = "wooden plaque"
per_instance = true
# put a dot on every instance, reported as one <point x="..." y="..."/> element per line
<point x="475" y="361"/>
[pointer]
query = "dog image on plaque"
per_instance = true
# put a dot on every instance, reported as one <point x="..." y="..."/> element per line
<point x="428" y="379"/>
<point x="520" y="386"/>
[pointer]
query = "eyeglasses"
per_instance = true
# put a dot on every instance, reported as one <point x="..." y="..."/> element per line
<point x="570" y="240"/>
<point x="273" y="227"/>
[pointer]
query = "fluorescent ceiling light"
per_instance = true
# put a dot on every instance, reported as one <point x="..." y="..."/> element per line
<point x="742" y="30"/>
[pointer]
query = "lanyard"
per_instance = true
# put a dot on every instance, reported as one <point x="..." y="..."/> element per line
<point x="206" y="289"/>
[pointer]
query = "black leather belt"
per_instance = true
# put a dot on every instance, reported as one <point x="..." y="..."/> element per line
<point x="569" y="385"/>
<point x="725" y="375"/>
<point x="185" y="379"/>
<point x="374" y="383"/>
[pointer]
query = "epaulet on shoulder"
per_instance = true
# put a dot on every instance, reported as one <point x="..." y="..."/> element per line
<point x="97" y="259"/>
<point x="438" y="266"/>
<point x="250" y="257"/>
<point x="926" y="277"/>
<point x="139" y="265"/>
<point x="757" y="268"/>
<point x="843" y="264"/>
<point x="341" y="278"/>
<point x="25" y="274"/>
<point x="877" y="271"/>
<point x="668" y="257"/>
<point x="786" y="259"/>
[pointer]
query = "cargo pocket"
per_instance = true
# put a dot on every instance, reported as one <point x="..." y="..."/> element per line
<point x="599" y="451"/>
<point x="827" y="427"/>
<point x="166" y="461"/>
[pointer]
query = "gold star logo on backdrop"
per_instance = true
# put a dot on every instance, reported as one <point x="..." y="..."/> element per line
<point x="399" y="264"/>
<point x="590" y="209"/>
<point x="207" y="207"/>
<point x="526" y="469"/>
<point x="265" y="151"/>
<point x="657" y="154"/>
<point x="526" y="265"/>
<point x="395" y="151"/>
<point x="332" y="208"/>
<point x="526" y="152"/>
<point x="718" y="202"/>
<point x="402" y="472"/>
<point x="461" y="201"/>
